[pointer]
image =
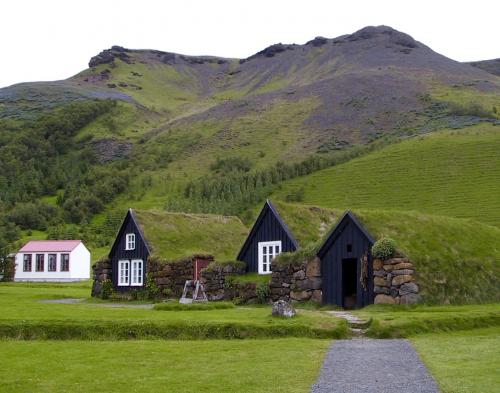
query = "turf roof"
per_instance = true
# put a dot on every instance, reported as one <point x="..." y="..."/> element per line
<point x="175" y="235"/>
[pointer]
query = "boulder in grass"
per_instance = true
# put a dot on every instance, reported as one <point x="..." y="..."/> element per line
<point x="283" y="309"/>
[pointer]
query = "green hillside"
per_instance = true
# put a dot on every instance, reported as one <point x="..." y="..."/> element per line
<point x="457" y="260"/>
<point x="451" y="172"/>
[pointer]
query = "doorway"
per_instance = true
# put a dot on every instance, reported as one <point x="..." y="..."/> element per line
<point x="349" y="282"/>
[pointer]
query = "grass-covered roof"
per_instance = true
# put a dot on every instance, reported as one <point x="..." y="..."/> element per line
<point x="175" y="235"/>
<point x="454" y="258"/>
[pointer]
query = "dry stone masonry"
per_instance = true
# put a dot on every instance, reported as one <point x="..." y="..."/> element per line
<point x="394" y="281"/>
<point x="296" y="281"/>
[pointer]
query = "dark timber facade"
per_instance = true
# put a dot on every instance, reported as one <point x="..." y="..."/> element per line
<point x="268" y="237"/>
<point x="346" y="265"/>
<point x="129" y="259"/>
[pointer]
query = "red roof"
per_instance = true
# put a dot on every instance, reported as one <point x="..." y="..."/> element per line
<point x="50" y="245"/>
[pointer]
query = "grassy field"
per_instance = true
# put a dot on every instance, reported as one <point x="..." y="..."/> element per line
<point x="451" y="172"/>
<point x="283" y="365"/>
<point x="24" y="314"/>
<point x="463" y="362"/>
<point x="394" y="322"/>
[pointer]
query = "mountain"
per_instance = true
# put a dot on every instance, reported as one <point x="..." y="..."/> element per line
<point x="491" y="66"/>
<point x="211" y="134"/>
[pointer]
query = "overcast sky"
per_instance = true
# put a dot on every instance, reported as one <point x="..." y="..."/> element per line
<point x="54" y="39"/>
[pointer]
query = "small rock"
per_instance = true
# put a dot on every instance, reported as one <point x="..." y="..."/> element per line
<point x="388" y="268"/>
<point x="283" y="309"/>
<point x="410" y="298"/>
<point x="310" y="283"/>
<point x="317" y="295"/>
<point x="409" y="287"/>
<point x="401" y="272"/>
<point x="398" y="280"/>
<point x="300" y="295"/>
<point x="384" y="299"/>
<point x="378" y="264"/>
<point x="403" y="265"/>
<point x="383" y="290"/>
<point x="313" y="268"/>
<point x="299" y="275"/>
<point x="379" y="273"/>
<point x="380" y="282"/>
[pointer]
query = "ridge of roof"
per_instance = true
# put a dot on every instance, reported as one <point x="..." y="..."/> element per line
<point x="347" y="215"/>
<point x="256" y="225"/>
<point x="66" y="245"/>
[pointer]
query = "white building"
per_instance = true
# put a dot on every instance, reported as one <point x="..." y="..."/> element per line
<point x="53" y="260"/>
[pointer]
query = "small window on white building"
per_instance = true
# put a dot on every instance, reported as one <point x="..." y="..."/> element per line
<point x="130" y="241"/>
<point x="40" y="262"/>
<point x="267" y="251"/>
<point x="137" y="272"/>
<point x="123" y="272"/>
<point x="27" y="263"/>
<point x="52" y="262"/>
<point x="65" y="262"/>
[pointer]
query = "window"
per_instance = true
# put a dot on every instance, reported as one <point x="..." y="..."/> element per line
<point x="130" y="241"/>
<point x="349" y="248"/>
<point x="52" y="262"/>
<point x="65" y="262"/>
<point x="137" y="272"/>
<point x="123" y="272"/>
<point x="40" y="262"/>
<point x="27" y="263"/>
<point x="267" y="251"/>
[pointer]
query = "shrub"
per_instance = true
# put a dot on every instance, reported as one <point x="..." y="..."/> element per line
<point x="106" y="289"/>
<point x="263" y="292"/>
<point x="152" y="290"/>
<point x="384" y="248"/>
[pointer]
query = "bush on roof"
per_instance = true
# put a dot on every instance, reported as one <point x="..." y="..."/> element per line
<point x="384" y="248"/>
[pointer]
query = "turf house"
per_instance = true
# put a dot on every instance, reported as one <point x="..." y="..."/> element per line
<point x="268" y="237"/>
<point x="170" y="248"/>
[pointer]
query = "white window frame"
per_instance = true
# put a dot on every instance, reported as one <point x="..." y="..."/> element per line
<point x="123" y="272"/>
<point x="130" y="241"/>
<point x="265" y="258"/>
<point x="136" y="267"/>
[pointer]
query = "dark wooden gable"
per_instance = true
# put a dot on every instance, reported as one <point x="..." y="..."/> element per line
<point x="269" y="226"/>
<point x="347" y="243"/>
<point x="118" y="252"/>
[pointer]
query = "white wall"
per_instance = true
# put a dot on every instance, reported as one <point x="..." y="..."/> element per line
<point x="79" y="266"/>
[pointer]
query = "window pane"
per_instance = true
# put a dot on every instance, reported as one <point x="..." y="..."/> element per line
<point x="276" y="250"/>
<point x="40" y="262"/>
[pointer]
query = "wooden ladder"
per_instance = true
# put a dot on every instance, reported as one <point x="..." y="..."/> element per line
<point x="197" y="292"/>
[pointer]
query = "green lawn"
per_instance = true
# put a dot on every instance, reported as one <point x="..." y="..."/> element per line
<point x="396" y="321"/>
<point x="24" y="315"/>
<point x="452" y="172"/>
<point x="463" y="362"/>
<point x="282" y="365"/>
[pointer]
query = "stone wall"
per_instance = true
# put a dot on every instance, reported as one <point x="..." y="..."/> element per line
<point x="394" y="281"/>
<point x="296" y="281"/>
<point x="220" y="285"/>
<point x="170" y="277"/>
<point x="101" y="272"/>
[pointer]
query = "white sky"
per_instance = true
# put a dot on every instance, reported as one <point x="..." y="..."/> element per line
<point x="54" y="39"/>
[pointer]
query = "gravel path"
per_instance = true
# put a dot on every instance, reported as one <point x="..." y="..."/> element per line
<point x="373" y="366"/>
